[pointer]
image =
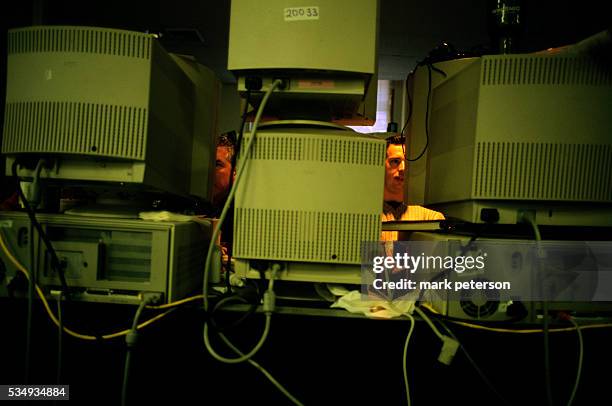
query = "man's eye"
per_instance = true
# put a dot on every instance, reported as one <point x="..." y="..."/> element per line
<point x="219" y="164"/>
<point x="395" y="161"/>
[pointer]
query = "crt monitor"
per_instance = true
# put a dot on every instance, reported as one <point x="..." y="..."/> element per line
<point x="326" y="51"/>
<point x="518" y="132"/>
<point x="311" y="190"/>
<point x="109" y="106"/>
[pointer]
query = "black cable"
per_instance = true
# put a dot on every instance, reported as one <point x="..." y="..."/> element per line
<point x="55" y="264"/>
<point x="430" y="67"/>
<point x="411" y="74"/>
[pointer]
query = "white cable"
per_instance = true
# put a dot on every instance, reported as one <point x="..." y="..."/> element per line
<point x="280" y="387"/>
<point x="426" y="318"/>
<point x="268" y="307"/>
<point x="232" y="191"/>
<point x="404" y="358"/>
<point x="449" y="344"/>
<point x="215" y="235"/>
<point x="580" y="359"/>
<point x="242" y="358"/>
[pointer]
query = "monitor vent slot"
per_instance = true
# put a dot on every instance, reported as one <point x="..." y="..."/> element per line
<point x="75" y="128"/>
<point x="80" y="39"/>
<point x="351" y="152"/>
<point x="303" y="236"/>
<point x="530" y="70"/>
<point x="287" y="148"/>
<point x="564" y="172"/>
<point x="277" y="148"/>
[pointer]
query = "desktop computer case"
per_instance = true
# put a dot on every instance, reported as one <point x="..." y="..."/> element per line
<point x="108" y="260"/>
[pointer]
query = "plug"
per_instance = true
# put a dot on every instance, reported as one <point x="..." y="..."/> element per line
<point x="131" y="338"/>
<point x="449" y="349"/>
<point x="525" y="216"/>
<point x="284" y="83"/>
<point x="151" y="298"/>
<point x="269" y="302"/>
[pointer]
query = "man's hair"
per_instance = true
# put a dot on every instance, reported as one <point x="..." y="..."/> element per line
<point x="397" y="139"/>
<point x="228" y="140"/>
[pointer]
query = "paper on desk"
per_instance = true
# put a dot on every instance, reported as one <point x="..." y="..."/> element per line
<point x="354" y="303"/>
<point x="175" y="217"/>
<point x="164" y="216"/>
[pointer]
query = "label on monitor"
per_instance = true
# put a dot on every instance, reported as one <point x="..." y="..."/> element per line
<point x="315" y="84"/>
<point x="301" y="13"/>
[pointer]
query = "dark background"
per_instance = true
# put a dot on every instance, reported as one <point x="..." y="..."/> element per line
<point x="320" y="360"/>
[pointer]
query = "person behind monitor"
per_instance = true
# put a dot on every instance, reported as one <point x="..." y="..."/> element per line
<point x="394" y="207"/>
<point x="224" y="178"/>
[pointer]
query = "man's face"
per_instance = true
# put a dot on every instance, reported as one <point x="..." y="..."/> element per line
<point x="394" y="173"/>
<point x="223" y="169"/>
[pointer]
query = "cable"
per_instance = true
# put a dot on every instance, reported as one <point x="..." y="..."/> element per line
<point x="232" y="192"/>
<point x="269" y="295"/>
<point x="237" y="322"/>
<point x="580" y="360"/>
<point x="59" y="339"/>
<point x="430" y="67"/>
<point x="54" y="260"/>
<point x="411" y="74"/>
<point x="30" y="317"/>
<point x="529" y="219"/>
<point x="268" y="308"/>
<point x="177" y="303"/>
<point x="131" y="338"/>
<point x="426" y="117"/>
<point x="240" y="134"/>
<point x="405" y="355"/>
<point x="280" y="387"/>
<point x="473" y="363"/>
<point x="449" y="344"/>
<point x="429" y="322"/>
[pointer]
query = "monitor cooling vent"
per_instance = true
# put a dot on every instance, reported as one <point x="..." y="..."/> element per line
<point x="522" y="170"/>
<point x="479" y="304"/>
<point x="544" y="70"/>
<point x="80" y="39"/>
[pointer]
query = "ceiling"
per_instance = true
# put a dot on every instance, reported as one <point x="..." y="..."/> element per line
<point x="409" y="29"/>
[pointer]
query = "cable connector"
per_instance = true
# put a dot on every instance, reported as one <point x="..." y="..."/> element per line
<point x="525" y="216"/>
<point x="151" y="298"/>
<point x="269" y="302"/>
<point x="131" y="338"/>
<point x="284" y="83"/>
<point x="449" y="349"/>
